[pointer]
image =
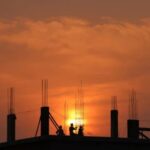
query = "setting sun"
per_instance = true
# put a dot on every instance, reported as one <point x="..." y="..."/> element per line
<point x="75" y="119"/>
<point x="70" y="118"/>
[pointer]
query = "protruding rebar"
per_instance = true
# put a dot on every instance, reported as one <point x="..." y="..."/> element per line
<point x="11" y="117"/>
<point x="133" y="105"/>
<point x="45" y="92"/>
<point x="114" y="103"/>
<point x="11" y="100"/>
<point x="114" y="118"/>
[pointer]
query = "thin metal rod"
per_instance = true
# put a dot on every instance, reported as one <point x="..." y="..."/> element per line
<point x="53" y="121"/>
<point x="39" y="122"/>
<point x="11" y="99"/>
<point x="45" y="92"/>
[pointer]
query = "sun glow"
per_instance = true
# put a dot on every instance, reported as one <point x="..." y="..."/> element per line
<point x="71" y="118"/>
<point x="76" y="120"/>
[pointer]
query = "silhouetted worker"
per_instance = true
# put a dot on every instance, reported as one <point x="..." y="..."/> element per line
<point x="80" y="131"/>
<point x="71" y="129"/>
<point x="60" y="131"/>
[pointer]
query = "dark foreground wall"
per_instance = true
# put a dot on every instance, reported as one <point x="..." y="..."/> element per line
<point x="76" y="143"/>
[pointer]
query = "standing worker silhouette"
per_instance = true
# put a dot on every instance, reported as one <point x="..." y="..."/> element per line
<point x="71" y="129"/>
<point x="80" y="131"/>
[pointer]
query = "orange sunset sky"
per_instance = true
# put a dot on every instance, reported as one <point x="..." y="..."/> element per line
<point x="104" y="43"/>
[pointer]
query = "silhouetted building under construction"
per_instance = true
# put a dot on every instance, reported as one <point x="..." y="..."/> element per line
<point x="136" y="139"/>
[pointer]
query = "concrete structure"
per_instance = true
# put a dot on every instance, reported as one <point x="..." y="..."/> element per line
<point x="11" y="127"/>
<point x="114" y="123"/>
<point x="76" y="143"/>
<point x="133" y="129"/>
<point x="44" y="121"/>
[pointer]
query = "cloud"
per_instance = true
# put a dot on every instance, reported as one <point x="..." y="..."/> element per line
<point x="77" y="48"/>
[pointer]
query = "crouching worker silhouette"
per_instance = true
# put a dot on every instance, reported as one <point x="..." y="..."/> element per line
<point x="60" y="131"/>
<point x="71" y="129"/>
<point x="80" y="131"/>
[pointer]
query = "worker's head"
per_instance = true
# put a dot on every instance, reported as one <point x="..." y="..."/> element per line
<point x="60" y="126"/>
<point x="71" y="124"/>
<point x="80" y="126"/>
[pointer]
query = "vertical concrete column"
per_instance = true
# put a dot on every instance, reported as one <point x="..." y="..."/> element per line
<point x="44" y="121"/>
<point x="114" y="123"/>
<point x="133" y="129"/>
<point x="11" y="127"/>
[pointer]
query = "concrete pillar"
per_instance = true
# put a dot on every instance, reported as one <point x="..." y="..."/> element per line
<point x="44" y="121"/>
<point x="133" y="129"/>
<point x="11" y="127"/>
<point x="114" y="123"/>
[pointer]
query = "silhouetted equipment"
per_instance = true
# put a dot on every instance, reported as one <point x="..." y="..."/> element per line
<point x="72" y="129"/>
<point x="11" y="117"/>
<point x="80" y="131"/>
<point x="114" y="118"/>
